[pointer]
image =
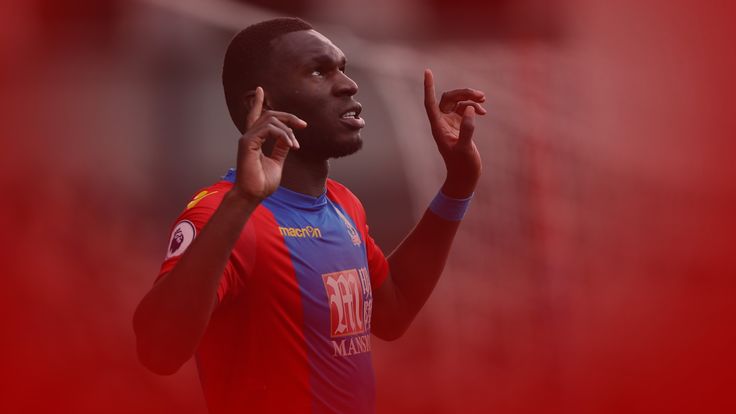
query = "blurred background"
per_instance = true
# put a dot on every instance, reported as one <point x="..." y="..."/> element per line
<point x="594" y="272"/>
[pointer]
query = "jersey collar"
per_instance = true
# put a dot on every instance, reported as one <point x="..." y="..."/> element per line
<point x="288" y="197"/>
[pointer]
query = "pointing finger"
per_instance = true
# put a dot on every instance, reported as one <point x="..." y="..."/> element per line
<point x="255" y="109"/>
<point x="430" y="101"/>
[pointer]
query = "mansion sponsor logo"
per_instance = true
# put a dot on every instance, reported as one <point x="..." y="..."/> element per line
<point x="351" y="301"/>
<point x="352" y="346"/>
<point x="303" y="232"/>
<point x="347" y="291"/>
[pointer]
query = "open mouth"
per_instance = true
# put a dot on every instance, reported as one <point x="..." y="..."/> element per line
<point x="351" y="117"/>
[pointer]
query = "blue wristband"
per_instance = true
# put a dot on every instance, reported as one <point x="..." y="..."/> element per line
<point x="451" y="209"/>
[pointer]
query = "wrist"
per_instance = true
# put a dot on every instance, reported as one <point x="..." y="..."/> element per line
<point x="449" y="208"/>
<point x="459" y="187"/>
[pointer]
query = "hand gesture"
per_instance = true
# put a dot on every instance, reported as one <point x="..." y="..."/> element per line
<point x="258" y="175"/>
<point x="453" y="123"/>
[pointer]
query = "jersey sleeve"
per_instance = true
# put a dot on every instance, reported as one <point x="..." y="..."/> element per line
<point x="186" y="228"/>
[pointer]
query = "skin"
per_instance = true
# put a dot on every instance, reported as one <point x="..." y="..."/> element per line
<point x="298" y="112"/>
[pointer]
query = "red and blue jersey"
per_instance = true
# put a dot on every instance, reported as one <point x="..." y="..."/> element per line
<point x="291" y="331"/>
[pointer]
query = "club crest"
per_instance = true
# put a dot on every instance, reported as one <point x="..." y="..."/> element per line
<point x="354" y="236"/>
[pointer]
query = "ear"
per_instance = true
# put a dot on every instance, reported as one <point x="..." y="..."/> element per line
<point x="249" y="98"/>
<point x="248" y="101"/>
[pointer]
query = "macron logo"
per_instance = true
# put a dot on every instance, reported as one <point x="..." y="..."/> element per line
<point x="303" y="232"/>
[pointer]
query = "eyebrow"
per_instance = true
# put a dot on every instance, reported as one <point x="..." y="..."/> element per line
<point x="328" y="60"/>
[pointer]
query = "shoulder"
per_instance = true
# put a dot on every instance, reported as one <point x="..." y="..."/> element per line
<point x="203" y="203"/>
<point x="200" y="206"/>
<point x="341" y="194"/>
<point x="208" y="198"/>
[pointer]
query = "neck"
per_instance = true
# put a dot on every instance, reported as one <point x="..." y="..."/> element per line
<point x="304" y="175"/>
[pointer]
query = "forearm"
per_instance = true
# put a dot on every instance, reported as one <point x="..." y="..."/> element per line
<point x="171" y="319"/>
<point x="418" y="262"/>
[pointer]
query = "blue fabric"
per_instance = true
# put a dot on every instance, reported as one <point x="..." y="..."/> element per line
<point x="331" y="268"/>
<point x="451" y="209"/>
<point x="230" y="176"/>
<point x="339" y="383"/>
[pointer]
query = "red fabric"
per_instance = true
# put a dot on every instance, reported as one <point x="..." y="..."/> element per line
<point x="254" y="351"/>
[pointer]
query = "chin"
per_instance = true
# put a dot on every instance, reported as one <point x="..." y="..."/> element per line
<point x="347" y="147"/>
<point x="336" y="148"/>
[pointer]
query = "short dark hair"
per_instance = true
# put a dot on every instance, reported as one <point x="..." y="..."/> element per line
<point x="244" y="61"/>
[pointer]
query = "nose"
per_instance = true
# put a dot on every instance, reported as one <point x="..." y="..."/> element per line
<point x="344" y="86"/>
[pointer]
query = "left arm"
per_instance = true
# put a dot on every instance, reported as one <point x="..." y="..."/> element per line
<point x="416" y="264"/>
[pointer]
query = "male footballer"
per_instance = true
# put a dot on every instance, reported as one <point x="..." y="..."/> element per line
<point x="271" y="279"/>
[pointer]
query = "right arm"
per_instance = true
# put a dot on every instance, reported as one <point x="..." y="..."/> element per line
<point x="171" y="319"/>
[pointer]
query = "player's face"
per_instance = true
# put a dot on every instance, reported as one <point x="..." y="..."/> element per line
<point x="307" y="78"/>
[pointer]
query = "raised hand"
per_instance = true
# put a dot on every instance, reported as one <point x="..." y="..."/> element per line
<point x="453" y="123"/>
<point x="258" y="175"/>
